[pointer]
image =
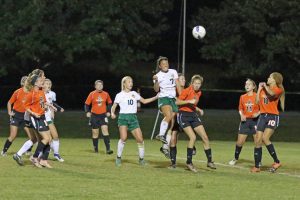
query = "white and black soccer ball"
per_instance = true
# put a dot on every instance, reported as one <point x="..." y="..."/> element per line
<point x="199" y="32"/>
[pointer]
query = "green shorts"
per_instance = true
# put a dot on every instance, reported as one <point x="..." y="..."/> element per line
<point x="50" y="122"/>
<point x="168" y="101"/>
<point x="129" y="120"/>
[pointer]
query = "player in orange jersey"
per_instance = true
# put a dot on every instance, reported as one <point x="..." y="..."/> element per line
<point x="268" y="96"/>
<point x="97" y="108"/>
<point x="189" y="120"/>
<point x="16" y="110"/>
<point x="249" y="112"/>
<point x="36" y="105"/>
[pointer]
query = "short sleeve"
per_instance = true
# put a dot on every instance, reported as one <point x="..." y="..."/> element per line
<point x="118" y="98"/>
<point x="138" y="97"/>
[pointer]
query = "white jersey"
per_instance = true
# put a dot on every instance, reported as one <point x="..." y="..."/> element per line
<point x="50" y="97"/>
<point x="127" y="101"/>
<point x="167" y="83"/>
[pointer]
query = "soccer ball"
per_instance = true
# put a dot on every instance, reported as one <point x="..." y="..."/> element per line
<point x="199" y="32"/>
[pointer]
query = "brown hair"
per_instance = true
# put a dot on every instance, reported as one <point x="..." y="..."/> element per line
<point x="98" y="81"/>
<point x="279" y="80"/>
<point x="158" y="61"/>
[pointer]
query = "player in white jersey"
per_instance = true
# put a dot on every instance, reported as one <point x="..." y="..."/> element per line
<point x="166" y="82"/>
<point x="127" y="120"/>
<point x="49" y="114"/>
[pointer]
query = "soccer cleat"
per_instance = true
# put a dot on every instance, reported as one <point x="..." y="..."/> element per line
<point x="109" y="152"/>
<point x="58" y="158"/>
<point x="161" y="138"/>
<point x="191" y="167"/>
<point x="3" y="153"/>
<point x="118" y="162"/>
<point x="194" y="150"/>
<point x="18" y="159"/>
<point x="142" y="162"/>
<point x="274" y="167"/>
<point x="255" y="170"/>
<point x="211" y="165"/>
<point x="172" y="166"/>
<point x="35" y="162"/>
<point x="45" y="163"/>
<point x="166" y="152"/>
<point x="232" y="162"/>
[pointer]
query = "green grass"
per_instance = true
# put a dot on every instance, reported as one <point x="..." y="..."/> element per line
<point x="86" y="175"/>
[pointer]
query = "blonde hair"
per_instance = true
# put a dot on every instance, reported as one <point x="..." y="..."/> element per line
<point x="98" y="81"/>
<point x="279" y="80"/>
<point x="23" y="80"/>
<point x="125" y="78"/>
<point x="32" y="76"/>
<point x="253" y="83"/>
<point x="158" y="61"/>
<point x="196" y="77"/>
<point x="47" y="79"/>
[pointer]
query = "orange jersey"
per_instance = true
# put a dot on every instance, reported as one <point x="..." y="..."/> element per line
<point x="99" y="101"/>
<point x="18" y="99"/>
<point x="35" y="101"/>
<point x="248" y="106"/>
<point x="267" y="103"/>
<point x="189" y="94"/>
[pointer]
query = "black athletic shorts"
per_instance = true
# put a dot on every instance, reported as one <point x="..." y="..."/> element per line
<point x="39" y="124"/>
<point x="17" y="120"/>
<point x="186" y="119"/>
<point x="248" y="127"/>
<point x="98" y="120"/>
<point x="266" y="120"/>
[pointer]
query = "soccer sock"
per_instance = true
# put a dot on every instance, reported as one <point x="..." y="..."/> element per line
<point x="106" y="142"/>
<point x="95" y="144"/>
<point x="27" y="145"/>
<point x="189" y="156"/>
<point x="257" y="156"/>
<point x="46" y="152"/>
<point x="163" y="127"/>
<point x="30" y="148"/>
<point x="260" y="154"/>
<point x="121" y="145"/>
<point x="237" y="152"/>
<point x="39" y="149"/>
<point x="208" y="154"/>
<point x="173" y="153"/>
<point x="141" y="148"/>
<point x="6" y="145"/>
<point x="55" y="146"/>
<point x="168" y="138"/>
<point x="272" y="152"/>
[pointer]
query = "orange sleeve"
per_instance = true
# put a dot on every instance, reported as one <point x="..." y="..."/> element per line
<point x="184" y="94"/>
<point x="13" y="98"/>
<point x="277" y="91"/>
<point x="241" y="104"/>
<point x="89" y="99"/>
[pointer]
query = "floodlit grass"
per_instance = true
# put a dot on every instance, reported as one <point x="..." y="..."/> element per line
<point x="87" y="175"/>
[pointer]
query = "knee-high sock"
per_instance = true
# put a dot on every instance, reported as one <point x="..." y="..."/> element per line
<point x="55" y="146"/>
<point x="173" y="153"/>
<point x="6" y="145"/>
<point x="121" y="145"/>
<point x="189" y="155"/>
<point x="46" y="152"/>
<point x="208" y="155"/>
<point x="272" y="152"/>
<point x="106" y="142"/>
<point x="141" y="148"/>
<point x="237" y="152"/>
<point x="95" y="144"/>
<point x="26" y="146"/>
<point x="163" y="128"/>
<point x="39" y="149"/>
<point x="168" y="138"/>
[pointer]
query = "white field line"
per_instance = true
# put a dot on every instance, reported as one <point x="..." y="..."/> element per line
<point x="226" y="165"/>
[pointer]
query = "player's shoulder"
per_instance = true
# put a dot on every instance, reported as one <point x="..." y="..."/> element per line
<point x="173" y="71"/>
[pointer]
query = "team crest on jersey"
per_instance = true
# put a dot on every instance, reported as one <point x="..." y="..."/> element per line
<point x="42" y="103"/>
<point x="133" y="96"/>
<point x="99" y="101"/>
<point x="249" y="106"/>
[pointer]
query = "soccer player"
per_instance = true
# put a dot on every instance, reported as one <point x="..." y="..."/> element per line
<point x="166" y="82"/>
<point x="16" y="111"/>
<point x="49" y="114"/>
<point x="127" y="120"/>
<point x="171" y="136"/>
<point x="97" y="108"/>
<point x="268" y="96"/>
<point x="36" y="105"/>
<point x="249" y="112"/>
<point x="189" y="120"/>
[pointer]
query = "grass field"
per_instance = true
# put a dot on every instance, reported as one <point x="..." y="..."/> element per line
<point x="86" y="175"/>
